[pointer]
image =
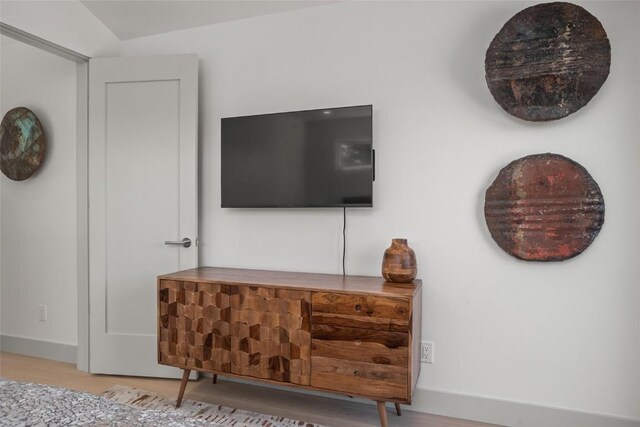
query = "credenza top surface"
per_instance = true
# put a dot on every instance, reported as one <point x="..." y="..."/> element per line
<point x="302" y="281"/>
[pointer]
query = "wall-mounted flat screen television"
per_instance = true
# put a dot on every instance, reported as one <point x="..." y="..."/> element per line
<point x="315" y="158"/>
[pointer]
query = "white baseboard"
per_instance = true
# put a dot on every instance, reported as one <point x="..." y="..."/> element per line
<point x="509" y="413"/>
<point x="39" y="348"/>
<point x="482" y="409"/>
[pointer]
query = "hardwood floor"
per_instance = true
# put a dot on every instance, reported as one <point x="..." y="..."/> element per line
<point x="323" y="410"/>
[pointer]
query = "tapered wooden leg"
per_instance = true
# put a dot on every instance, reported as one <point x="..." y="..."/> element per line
<point x="382" y="411"/>
<point x="215" y="379"/>
<point x="398" y="411"/>
<point x="183" y="386"/>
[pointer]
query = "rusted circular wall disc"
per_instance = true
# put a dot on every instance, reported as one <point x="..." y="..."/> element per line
<point x="22" y="144"/>
<point x="548" y="61"/>
<point x="544" y="207"/>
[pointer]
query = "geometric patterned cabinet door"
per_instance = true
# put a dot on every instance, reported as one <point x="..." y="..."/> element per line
<point x="243" y="330"/>
<point x="353" y="335"/>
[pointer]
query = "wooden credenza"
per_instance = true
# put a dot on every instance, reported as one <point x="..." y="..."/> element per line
<point x="354" y="335"/>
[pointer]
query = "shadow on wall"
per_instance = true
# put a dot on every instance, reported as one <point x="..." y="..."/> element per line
<point x="486" y="236"/>
<point x="467" y="67"/>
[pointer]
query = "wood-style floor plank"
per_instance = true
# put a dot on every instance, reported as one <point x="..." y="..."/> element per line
<point x="323" y="410"/>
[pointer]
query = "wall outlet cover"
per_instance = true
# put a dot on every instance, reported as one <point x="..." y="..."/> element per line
<point x="427" y="352"/>
<point x="42" y="313"/>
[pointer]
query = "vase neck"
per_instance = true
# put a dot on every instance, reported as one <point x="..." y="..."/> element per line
<point x="399" y="242"/>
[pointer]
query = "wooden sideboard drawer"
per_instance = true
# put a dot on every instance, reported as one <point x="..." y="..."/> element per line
<point x="360" y="378"/>
<point x="361" y="311"/>
<point x="363" y="345"/>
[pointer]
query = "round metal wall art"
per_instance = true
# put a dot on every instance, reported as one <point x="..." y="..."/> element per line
<point x="22" y="144"/>
<point x="544" y="207"/>
<point x="548" y="61"/>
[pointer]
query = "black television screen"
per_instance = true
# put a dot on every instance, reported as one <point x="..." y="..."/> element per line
<point x="315" y="158"/>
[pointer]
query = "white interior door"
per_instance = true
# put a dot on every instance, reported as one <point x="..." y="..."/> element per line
<point x="142" y="192"/>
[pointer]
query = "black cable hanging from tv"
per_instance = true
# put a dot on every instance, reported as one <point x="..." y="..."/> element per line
<point x="344" y="238"/>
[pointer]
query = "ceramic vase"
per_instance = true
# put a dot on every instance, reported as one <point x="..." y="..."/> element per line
<point x="399" y="262"/>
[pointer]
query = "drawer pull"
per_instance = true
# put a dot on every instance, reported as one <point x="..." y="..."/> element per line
<point x="356" y="373"/>
<point x="369" y="313"/>
<point x="358" y="308"/>
<point x="357" y="342"/>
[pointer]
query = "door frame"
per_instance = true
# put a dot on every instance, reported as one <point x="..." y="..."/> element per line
<point x="82" y="176"/>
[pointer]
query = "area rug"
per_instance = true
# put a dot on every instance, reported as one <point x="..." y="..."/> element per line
<point x="27" y="404"/>
<point x="215" y="414"/>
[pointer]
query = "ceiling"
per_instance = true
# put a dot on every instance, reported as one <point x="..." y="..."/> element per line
<point x="135" y="18"/>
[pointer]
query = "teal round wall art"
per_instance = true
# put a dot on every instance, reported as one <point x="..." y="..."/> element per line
<point x="22" y="144"/>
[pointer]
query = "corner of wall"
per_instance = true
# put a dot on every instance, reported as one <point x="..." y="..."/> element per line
<point x="66" y="23"/>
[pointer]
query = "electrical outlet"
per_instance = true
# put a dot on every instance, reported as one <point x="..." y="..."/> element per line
<point x="42" y="313"/>
<point x="427" y="351"/>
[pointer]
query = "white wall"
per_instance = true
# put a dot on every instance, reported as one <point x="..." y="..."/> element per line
<point x="38" y="215"/>
<point x="69" y="24"/>
<point x="558" y="334"/>
<point x="64" y="22"/>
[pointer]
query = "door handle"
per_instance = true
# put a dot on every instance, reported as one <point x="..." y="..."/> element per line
<point x="186" y="242"/>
